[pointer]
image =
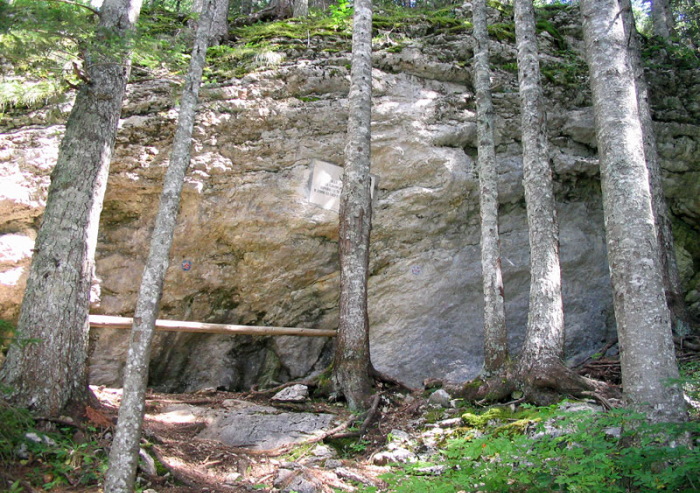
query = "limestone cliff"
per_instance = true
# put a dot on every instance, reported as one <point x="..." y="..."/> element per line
<point x="260" y="253"/>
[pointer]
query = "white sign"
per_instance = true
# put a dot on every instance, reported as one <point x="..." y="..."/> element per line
<point x="326" y="184"/>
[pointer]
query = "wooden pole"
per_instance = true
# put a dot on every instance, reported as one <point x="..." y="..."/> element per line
<point x="107" y="322"/>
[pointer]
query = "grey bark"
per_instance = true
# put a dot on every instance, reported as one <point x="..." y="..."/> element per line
<point x="301" y="8"/>
<point x="495" y="335"/>
<point x="667" y="254"/>
<point x="544" y="339"/>
<point x="219" y="27"/>
<point x="662" y="18"/>
<point x="123" y="457"/>
<point x="352" y="358"/>
<point x="647" y="354"/>
<point x="50" y="375"/>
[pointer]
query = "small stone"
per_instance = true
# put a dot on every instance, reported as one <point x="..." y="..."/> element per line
<point x="440" y="398"/>
<point x="232" y="478"/>
<point x="147" y="464"/>
<point x="295" y="393"/>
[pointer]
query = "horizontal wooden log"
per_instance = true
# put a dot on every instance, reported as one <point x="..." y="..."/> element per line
<point x="107" y="322"/>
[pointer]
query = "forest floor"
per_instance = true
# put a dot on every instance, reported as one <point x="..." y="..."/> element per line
<point x="347" y="452"/>
<point x="188" y="463"/>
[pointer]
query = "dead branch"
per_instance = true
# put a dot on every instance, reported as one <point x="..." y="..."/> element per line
<point x="76" y="4"/>
<point x="684" y="343"/>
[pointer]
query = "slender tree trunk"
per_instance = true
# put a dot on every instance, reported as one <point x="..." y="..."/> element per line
<point x="680" y="320"/>
<point x="352" y="358"/>
<point x="662" y="18"/>
<point x="123" y="457"/>
<point x="50" y="375"/>
<point x="495" y="335"/>
<point x="643" y="321"/>
<point x="544" y="340"/>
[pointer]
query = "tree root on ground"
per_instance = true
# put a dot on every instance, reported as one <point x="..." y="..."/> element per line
<point x="539" y="386"/>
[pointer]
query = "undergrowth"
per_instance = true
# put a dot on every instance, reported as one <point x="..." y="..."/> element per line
<point x="546" y="450"/>
<point x="47" y="460"/>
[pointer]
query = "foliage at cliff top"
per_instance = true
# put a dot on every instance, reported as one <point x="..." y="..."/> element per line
<point x="41" y="44"/>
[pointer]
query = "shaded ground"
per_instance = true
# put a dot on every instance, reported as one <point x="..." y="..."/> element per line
<point x="338" y="453"/>
<point x="188" y="462"/>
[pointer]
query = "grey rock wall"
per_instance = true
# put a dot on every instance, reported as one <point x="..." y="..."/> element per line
<point x="261" y="254"/>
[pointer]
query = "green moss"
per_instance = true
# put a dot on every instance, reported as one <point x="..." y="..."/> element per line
<point x="513" y="428"/>
<point x="502" y="31"/>
<point x="545" y="25"/>
<point x="572" y="72"/>
<point x="480" y="421"/>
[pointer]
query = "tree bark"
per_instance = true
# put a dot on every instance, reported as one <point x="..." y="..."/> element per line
<point x="219" y="27"/>
<point x="123" y="457"/>
<point x="50" y="375"/>
<point x="680" y="320"/>
<point x="301" y="8"/>
<point x="352" y="358"/>
<point x="495" y="334"/>
<point x="662" y="18"/>
<point x="544" y="339"/>
<point x="647" y="355"/>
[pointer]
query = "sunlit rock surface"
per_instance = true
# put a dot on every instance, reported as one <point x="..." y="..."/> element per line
<point x="250" y="249"/>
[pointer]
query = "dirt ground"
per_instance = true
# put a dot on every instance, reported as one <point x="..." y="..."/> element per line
<point x="337" y="460"/>
<point x="209" y="465"/>
<point x="187" y="463"/>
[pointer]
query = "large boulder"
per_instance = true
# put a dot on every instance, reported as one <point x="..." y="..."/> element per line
<point x="251" y="249"/>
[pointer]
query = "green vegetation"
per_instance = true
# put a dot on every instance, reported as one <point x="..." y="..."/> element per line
<point x="50" y="459"/>
<point x="690" y="379"/>
<point x="658" y="53"/>
<point x="546" y="449"/>
<point x="7" y="331"/>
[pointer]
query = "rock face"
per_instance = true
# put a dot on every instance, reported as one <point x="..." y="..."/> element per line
<point x="250" y="248"/>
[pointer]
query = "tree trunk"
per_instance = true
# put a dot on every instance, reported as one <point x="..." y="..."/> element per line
<point x="643" y="321"/>
<point x="50" y="375"/>
<point x="662" y="18"/>
<point x="544" y="339"/>
<point x="680" y="320"/>
<point x="123" y="457"/>
<point x="219" y="27"/>
<point x="301" y="8"/>
<point x="352" y="358"/>
<point x="495" y="335"/>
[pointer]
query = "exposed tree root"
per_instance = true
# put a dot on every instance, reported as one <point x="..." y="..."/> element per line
<point x="380" y="377"/>
<point x="542" y="386"/>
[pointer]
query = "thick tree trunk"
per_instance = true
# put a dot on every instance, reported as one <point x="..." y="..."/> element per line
<point x="680" y="320"/>
<point x="301" y="8"/>
<point x="495" y="335"/>
<point x="123" y="457"/>
<point x="352" y="358"/>
<point x="50" y="374"/>
<point x="662" y="18"/>
<point x="219" y="27"/>
<point x="544" y="339"/>
<point x="643" y="321"/>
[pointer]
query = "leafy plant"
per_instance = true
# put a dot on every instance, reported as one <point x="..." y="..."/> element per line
<point x="576" y="452"/>
<point x="50" y="459"/>
<point x="341" y="13"/>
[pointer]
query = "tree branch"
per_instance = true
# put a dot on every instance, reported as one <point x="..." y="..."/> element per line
<point x="94" y="11"/>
